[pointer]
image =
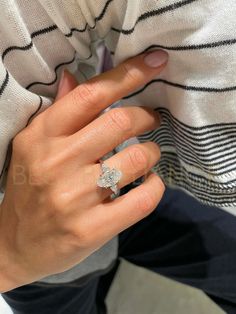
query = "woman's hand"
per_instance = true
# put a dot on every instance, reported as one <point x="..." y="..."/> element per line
<point x="53" y="214"/>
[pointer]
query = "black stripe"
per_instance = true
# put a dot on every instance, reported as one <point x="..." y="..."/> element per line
<point x="175" y="127"/>
<point x="43" y="31"/>
<point x="153" y="13"/>
<point x="209" y="168"/>
<point x="196" y="177"/>
<point x="4" y="84"/>
<point x="191" y="157"/>
<point x="219" y="198"/>
<point x="178" y="179"/>
<point x="185" y="87"/>
<point x="159" y="135"/>
<point x="24" y="48"/>
<point x="223" y="200"/>
<point x="163" y="143"/>
<point x="194" y="150"/>
<point x="74" y="29"/>
<point x="192" y="180"/>
<point x="170" y="127"/>
<point x="185" y="149"/>
<point x="198" y="144"/>
<point x="173" y="130"/>
<point x="98" y="18"/>
<point x="194" y="130"/>
<point x="38" y="109"/>
<point x="56" y="76"/>
<point x="177" y="175"/>
<point x="226" y="42"/>
<point x="30" y="45"/>
<point x="216" y="173"/>
<point x="171" y="157"/>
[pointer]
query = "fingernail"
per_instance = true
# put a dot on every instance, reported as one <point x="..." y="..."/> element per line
<point x="156" y="58"/>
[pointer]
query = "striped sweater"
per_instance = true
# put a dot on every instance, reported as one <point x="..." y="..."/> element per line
<point x="195" y="94"/>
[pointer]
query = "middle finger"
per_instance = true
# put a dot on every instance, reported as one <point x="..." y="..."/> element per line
<point x="109" y="130"/>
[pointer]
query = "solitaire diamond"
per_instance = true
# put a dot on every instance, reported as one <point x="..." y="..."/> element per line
<point x="109" y="178"/>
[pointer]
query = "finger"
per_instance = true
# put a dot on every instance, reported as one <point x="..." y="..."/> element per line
<point x="67" y="83"/>
<point x="109" y="130"/>
<point x="84" y="103"/>
<point x="111" y="218"/>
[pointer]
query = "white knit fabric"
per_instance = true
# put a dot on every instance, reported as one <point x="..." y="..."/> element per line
<point x="195" y="93"/>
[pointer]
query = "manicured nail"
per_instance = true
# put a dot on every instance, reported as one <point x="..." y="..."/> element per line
<point x="156" y="58"/>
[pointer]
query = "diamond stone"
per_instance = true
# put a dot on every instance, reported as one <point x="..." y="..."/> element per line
<point x="109" y="177"/>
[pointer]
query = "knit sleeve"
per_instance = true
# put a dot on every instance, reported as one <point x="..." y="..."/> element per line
<point x="38" y="41"/>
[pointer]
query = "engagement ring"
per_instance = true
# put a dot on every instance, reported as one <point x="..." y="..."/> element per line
<point x="109" y="178"/>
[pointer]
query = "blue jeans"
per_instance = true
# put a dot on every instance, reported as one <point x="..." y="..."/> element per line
<point x="182" y="239"/>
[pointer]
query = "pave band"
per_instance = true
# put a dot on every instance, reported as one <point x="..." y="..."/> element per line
<point x="109" y="178"/>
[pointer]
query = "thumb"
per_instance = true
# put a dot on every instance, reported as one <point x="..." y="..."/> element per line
<point x="67" y="83"/>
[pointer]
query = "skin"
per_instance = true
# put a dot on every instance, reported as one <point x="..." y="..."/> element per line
<point x="52" y="204"/>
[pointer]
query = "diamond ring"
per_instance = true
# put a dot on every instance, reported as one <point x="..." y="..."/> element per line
<point x="109" y="178"/>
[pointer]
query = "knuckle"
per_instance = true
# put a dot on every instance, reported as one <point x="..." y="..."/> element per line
<point x="37" y="173"/>
<point x="130" y="72"/>
<point x="120" y="119"/>
<point x="57" y="202"/>
<point x="146" y="202"/>
<point x="138" y="158"/>
<point x="88" y="93"/>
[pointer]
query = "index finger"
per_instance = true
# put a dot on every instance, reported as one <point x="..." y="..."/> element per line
<point x="84" y="103"/>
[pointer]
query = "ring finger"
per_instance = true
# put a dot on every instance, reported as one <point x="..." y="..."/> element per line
<point x="134" y="162"/>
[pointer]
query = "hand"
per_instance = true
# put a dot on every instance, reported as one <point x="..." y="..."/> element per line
<point x="53" y="214"/>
